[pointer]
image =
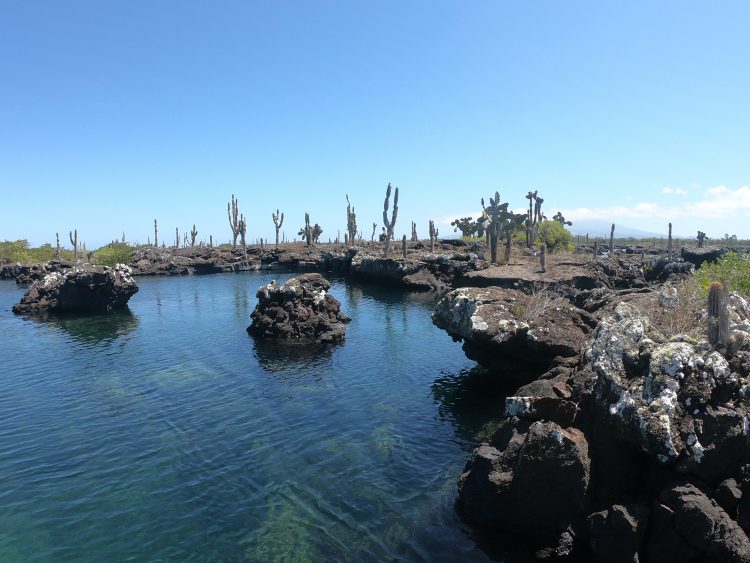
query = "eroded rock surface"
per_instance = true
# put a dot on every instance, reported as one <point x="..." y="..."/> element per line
<point x="532" y="478"/>
<point x="511" y="332"/>
<point x="81" y="288"/>
<point x="299" y="309"/>
<point x="689" y="526"/>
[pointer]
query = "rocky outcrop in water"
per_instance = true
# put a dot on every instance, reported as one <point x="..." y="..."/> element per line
<point x="80" y="288"/>
<point x="512" y="333"/>
<point x="299" y="309"/>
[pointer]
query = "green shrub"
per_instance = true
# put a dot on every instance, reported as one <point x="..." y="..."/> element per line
<point x="19" y="251"/>
<point x="557" y="236"/>
<point x="732" y="268"/>
<point x="111" y="254"/>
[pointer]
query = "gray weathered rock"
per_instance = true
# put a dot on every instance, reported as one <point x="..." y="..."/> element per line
<point x="511" y="332"/>
<point x="678" y="401"/>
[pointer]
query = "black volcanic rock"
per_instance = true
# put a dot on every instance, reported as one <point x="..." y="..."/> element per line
<point x="298" y="309"/>
<point x="81" y="288"/>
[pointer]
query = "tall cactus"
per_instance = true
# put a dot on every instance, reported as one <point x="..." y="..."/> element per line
<point x="176" y="237"/>
<point x="372" y="236"/>
<point x="242" y="226"/>
<point x="414" y="237"/>
<point x="156" y="234"/>
<point x="612" y="239"/>
<point x="389" y="224"/>
<point x="57" y="249"/>
<point x="233" y="212"/>
<point x="718" y="315"/>
<point x="193" y="234"/>
<point x="669" y="243"/>
<point x="307" y="231"/>
<point x="351" y="222"/>
<point x="403" y="246"/>
<point x="278" y="220"/>
<point x="543" y="258"/>
<point x="74" y="241"/>
<point x="433" y="235"/>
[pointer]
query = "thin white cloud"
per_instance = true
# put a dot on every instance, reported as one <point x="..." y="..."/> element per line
<point x="674" y="191"/>
<point x="720" y="202"/>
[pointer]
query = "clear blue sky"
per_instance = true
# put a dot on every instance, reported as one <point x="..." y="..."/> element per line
<point x="116" y="113"/>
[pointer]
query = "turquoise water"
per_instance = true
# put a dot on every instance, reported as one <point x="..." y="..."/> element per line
<point x="168" y="434"/>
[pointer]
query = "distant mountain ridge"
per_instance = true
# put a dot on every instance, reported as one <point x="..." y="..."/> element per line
<point x="599" y="228"/>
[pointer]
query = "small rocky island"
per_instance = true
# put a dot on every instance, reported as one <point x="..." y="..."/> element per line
<point x="299" y="309"/>
<point x="82" y="288"/>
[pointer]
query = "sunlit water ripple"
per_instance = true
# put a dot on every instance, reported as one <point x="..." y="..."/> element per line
<point x="168" y="434"/>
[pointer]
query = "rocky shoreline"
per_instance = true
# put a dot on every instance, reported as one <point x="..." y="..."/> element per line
<point x="623" y="440"/>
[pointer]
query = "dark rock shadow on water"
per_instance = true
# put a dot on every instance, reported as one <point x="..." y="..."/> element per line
<point x="388" y="294"/>
<point x="277" y="355"/>
<point x="91" y="327"/>
<point x="473" y="400"/>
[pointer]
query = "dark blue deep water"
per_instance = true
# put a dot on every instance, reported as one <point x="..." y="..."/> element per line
<point x="168" y="434"/>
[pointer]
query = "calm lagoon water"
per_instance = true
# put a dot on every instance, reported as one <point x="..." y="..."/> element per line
<point x="168" y="434"/>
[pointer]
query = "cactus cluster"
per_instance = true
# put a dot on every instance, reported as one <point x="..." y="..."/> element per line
<point x="237" y="223"/>
<point x="560" y="219"/>
<point x="466" y="225"/>
<point x="534" y="217"/>
<point x="351" y="222"/>
<point x="500" y="222"/>
<point x="701" y="239"/>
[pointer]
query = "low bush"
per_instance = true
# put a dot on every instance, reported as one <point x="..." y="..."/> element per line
<point x="113" y="253"/>
<point x="558" y="238"/>
<point x="732" y="268"/>
<point x="20" y="251"/>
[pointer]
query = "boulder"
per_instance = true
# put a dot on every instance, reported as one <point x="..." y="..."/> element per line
<point x="531" y="479"/>
<point x="511" y="332"/>
<point x="689" y="526"/>
<point x="298" y="309"/>
<point x="616" y="534"/>
<point x="697" y="256"/>
<point x="81" y="288"/>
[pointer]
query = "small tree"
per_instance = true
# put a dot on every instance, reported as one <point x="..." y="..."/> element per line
<point x="465" y="225"/>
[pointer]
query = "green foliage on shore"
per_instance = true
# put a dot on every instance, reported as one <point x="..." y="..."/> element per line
<point x="557" y="237"/>
<point x="732" y="268"/>
<point x="113" y="253"/>
<point x="20" y="251"/>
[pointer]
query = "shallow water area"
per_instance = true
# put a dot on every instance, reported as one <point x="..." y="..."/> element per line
<point x="166" y="433"/>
